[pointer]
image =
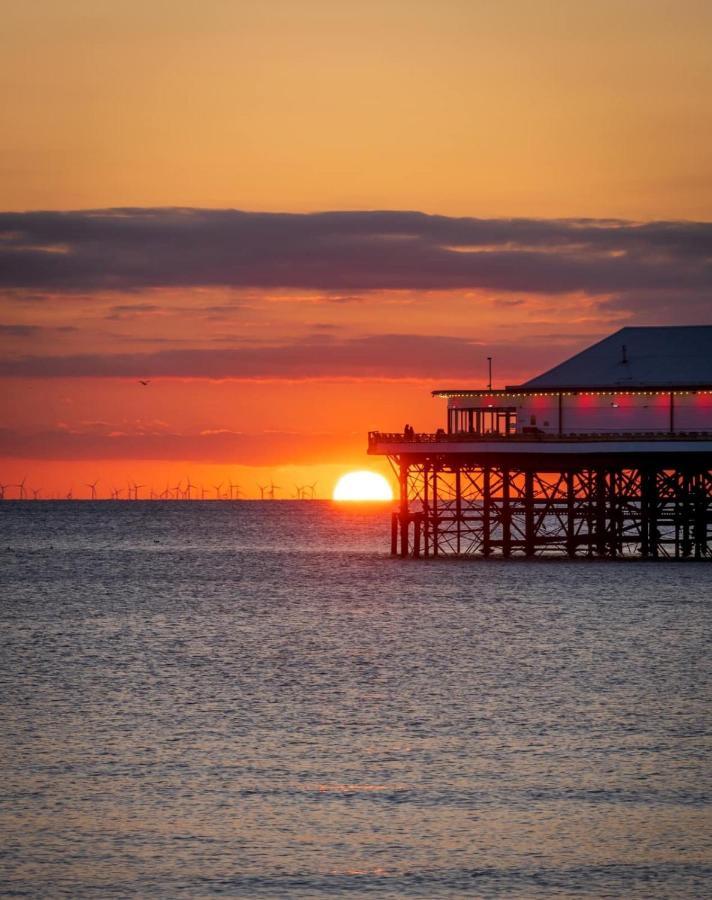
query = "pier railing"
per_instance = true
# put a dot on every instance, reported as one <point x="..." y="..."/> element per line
<point x="442" y="437"/>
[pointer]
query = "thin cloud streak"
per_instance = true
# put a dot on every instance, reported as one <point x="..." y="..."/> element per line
<point x="376" y="356"/>
<point x="133" y="249"/>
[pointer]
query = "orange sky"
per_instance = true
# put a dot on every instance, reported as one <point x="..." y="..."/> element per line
<point x="273" y="345"/>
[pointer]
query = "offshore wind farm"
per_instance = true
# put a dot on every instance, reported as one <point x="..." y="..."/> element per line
<point x="180" y="491"/>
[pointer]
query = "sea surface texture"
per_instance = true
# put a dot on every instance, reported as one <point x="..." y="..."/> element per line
<point x="254" y="700"/>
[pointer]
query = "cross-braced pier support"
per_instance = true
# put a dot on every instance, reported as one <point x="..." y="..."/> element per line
<point x="450" y="506"/>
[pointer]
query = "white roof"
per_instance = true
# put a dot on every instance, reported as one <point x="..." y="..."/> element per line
<point x="674" y="355"/>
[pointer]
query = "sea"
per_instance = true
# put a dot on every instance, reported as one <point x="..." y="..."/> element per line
<point x="253" y="699"/>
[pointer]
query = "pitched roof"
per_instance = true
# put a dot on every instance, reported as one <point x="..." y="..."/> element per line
<point x="671" y="355"/>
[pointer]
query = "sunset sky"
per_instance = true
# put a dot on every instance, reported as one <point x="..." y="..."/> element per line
<point x="295" y="218"/>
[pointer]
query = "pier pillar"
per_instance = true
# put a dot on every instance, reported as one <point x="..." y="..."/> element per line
<point x="645" y="513"/>
<point x="417" y="522"/>
<point x="600" y="512"/>
<point x="436" y="541"/>
<point x="486" y="511"/>
<point x="426" y="510"/>
<point x="570" y="520"/>
<point x="529" y="537"/>
<point x="404" y="509"/>
<point x="458" y="509"/>
<point x="699" y="529"/>
<point x="654" y="533"/>
<point x="506" y="515"/>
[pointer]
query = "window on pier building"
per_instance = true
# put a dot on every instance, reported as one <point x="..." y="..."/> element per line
<point x="499" y="420"/>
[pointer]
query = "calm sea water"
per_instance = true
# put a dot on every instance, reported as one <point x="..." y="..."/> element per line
<point x="254" y="700"/>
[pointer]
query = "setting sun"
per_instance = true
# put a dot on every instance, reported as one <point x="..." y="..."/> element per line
<point x="362" y="485"/>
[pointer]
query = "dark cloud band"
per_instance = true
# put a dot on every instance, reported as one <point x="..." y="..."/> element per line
<point x="132" y="249"/>
<point x="376" y="356"/>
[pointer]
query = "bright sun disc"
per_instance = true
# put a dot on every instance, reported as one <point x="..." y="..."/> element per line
<point x="362" y="486"/>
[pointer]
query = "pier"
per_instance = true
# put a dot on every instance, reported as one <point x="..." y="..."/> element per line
<point x="607" y="455"/>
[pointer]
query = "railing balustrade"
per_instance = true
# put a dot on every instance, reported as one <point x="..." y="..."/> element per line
<point x="376" y="437"/>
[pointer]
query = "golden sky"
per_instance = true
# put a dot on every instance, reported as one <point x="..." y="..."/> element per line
<point x="461" y="107"/>
<point x="294" y="336"/>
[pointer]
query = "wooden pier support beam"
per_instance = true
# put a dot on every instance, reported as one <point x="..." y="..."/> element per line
<point x="404" y="535"/>
<point x="417" y="524"/>
<point x="654" y="533"/>
<point x="529" y="537"/>
<point x="600" y="512"/>
<point x="435" y="528"/>
<point x="644" y="513"/>
<point x="699" y="530"/>
<point x="486" y="511"/>
<point x="570" y="520"/>
<point x="458" y="509"/>
<point x="426" y="510"/>
<point x="506" y="514"/>
<point x="479" y="507"/>
<point x="404" y="508"/>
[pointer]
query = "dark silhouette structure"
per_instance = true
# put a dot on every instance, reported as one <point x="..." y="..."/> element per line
<point x="608" y="454"/>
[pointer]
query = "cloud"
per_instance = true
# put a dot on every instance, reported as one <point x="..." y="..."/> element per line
<point x="344" y="252"/>
<point x="22" y="331"/>
<point x="660" y="307"/>
<point x="316" y="356"/>
<point x="135" y="308"/>
<point x="30" y="331"/>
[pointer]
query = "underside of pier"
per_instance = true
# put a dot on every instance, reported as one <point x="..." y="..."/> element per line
<point x="452" y="505"/>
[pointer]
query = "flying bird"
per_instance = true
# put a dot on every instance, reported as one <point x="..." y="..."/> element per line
<point x="144" y="383"/>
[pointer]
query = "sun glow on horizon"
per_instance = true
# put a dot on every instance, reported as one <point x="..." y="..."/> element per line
<point x="362" y="486"/>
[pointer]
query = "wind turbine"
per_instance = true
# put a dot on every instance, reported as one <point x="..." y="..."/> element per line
<point x="36" y="494"/>
<point x="272" y="489"/>
<point x="238" y="492"/>
<point x="178" y="490"/>
<point x="188" y="488"/>
<point x="136" y="487"/>
<point x="262" y="488"/>
<point x="92" y="487"/>
<point x="203" y="492"/>
<point x="312" y="488"/>
<point x="21" y="485"/>
<point x="217" y="490"/>
<point x="69" y="495"/>
<point x="2" y="490"/>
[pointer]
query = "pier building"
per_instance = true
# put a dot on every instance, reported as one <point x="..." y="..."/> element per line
<point x="608" y="454"/>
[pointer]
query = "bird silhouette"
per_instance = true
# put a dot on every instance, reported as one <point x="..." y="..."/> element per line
<point x="144" y="383"/>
